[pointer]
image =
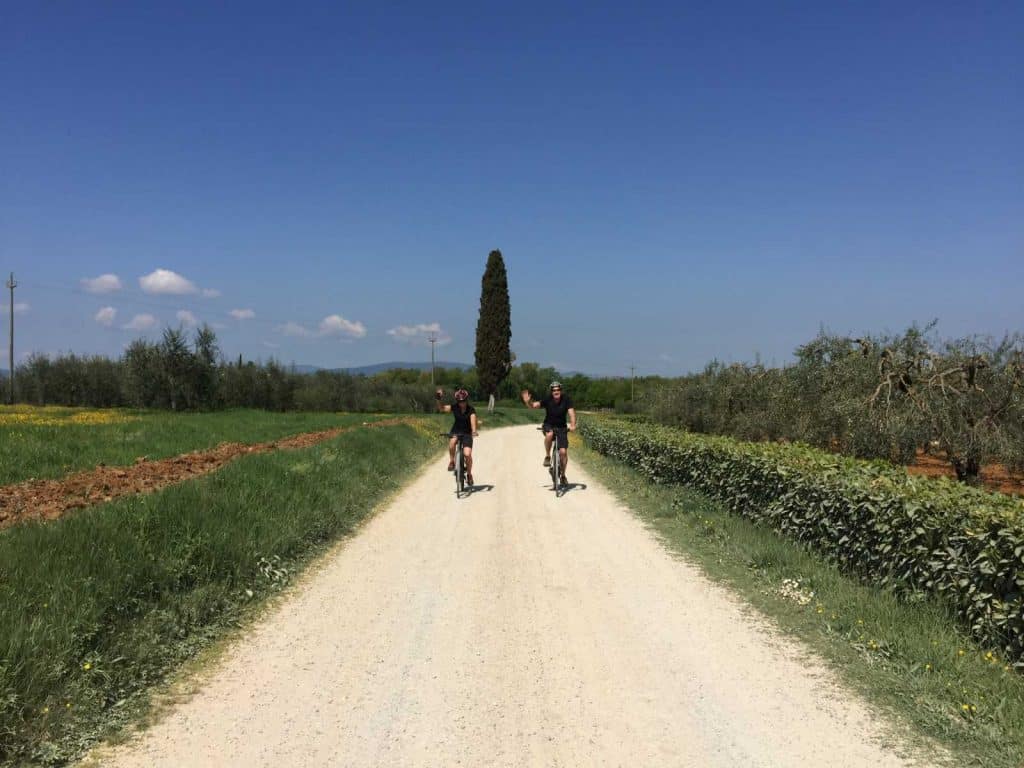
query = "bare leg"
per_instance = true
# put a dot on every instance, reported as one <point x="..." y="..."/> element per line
<point x="563" y="459"/>
<point x="549" y="438"/>
<point x="451" y="449"/>
<point x="468" y="453"/>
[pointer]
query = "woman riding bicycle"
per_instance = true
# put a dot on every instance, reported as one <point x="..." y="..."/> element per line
<point x="556" y="406"/>
<point x="464" y="426"/>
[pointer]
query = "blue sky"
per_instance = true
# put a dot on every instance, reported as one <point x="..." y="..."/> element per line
<point x="668" y="182"/>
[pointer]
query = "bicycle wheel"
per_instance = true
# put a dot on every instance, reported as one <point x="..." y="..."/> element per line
<point x="555" y="466"/>
<point x="460" y="469"/>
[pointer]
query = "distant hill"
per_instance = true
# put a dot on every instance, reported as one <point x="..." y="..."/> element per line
<point x="370" y="370"/>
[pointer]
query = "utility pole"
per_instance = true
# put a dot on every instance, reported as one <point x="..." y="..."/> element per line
<point x="632" y="370"/>
<point x="11" y="285"/>
<point x="433" y="340"/>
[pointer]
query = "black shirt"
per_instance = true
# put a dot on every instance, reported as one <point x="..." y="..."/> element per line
<point x="462" y="425"/>
<point x="555" y="412"/>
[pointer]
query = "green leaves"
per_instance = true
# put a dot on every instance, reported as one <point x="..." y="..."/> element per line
<point x="912" y="535"/>
<point x="494" y="328"/>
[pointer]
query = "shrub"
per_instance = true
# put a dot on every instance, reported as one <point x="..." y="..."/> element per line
<point x="911" y="535"/>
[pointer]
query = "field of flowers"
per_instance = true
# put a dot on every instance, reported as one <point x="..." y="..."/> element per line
<point x="57" y="416"/>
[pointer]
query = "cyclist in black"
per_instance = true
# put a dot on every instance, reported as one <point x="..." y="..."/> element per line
<point x="556" y="407"/>
<point x="465" y="425"/>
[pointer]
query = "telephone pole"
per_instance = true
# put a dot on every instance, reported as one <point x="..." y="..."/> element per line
<point x="632" y="370"/>
<point x="433" y="340"/>
<point x="11" y="285"/>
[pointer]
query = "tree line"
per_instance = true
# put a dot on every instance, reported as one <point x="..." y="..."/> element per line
<point x="180" y="372"/>
<point x="884" y="396"/>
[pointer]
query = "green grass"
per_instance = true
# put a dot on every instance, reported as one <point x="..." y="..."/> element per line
<point x="30" y="450"/>
<point x="33" y="450"/>
<point x="908" y="660"/>
<point x="98" y="606"/>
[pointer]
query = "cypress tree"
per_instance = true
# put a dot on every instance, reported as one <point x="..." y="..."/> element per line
<point x="494" y="328"/>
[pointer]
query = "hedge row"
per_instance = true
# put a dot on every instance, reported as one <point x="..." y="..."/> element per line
<point x="909" y="534"/>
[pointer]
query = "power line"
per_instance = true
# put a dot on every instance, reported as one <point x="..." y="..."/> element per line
<point x="11" y="285"/>
<point x="433" y="340"/>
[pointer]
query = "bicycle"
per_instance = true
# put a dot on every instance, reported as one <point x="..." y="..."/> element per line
<point x="556" y="460"/>
<point x="460" y="463"/>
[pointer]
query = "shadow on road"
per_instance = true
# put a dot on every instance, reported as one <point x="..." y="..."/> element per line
<point x="564" y="489"/>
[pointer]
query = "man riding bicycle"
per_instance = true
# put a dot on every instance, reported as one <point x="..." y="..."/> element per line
<point x="556" y="407"/>
<point x="465" y="425"/>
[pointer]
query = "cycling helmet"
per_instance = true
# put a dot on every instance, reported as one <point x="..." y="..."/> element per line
<point x="461" y="394"/>
<point x="555" y="385"/>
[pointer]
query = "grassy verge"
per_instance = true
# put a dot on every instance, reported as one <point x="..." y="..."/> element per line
<point x="909" y="660"/>
<point x="51" y="442"/>
<point x="98" y="606"/>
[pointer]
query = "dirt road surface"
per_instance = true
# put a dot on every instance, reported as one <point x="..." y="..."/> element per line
<point x="511" y="628"/>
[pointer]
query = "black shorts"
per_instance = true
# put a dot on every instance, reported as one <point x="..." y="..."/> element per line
<point x="561" y="435"/>
<point x="467" y="440"/>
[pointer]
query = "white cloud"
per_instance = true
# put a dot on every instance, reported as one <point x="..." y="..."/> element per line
<point x="20" y="308"/>
<point x="163" y="281"/>
<point x="103" y="284"/>
<point x="420" y="333"/>
<point x="666" y="358"/>
<point x="211" y="293"/>
<point x="242" y="314"/>
<point x="187" y="319"/>
<point x="332" y="325"/>
<point x="336" y="325"/>
<point x="294" y="329"/>
<point x="106" y="316"/>
<point x="142" y="322"/>
<point x="271" y="345"/>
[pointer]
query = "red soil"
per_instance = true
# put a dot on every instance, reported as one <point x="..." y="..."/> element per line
<point x="995" y="477"/>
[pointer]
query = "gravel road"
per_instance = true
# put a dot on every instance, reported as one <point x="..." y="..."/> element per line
<point x="512" y="628"/>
